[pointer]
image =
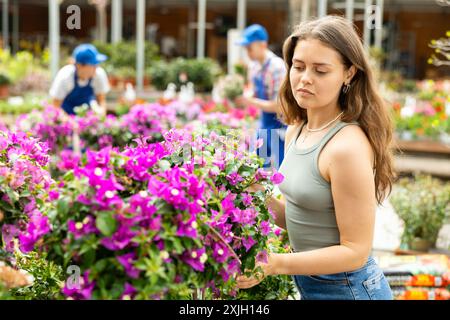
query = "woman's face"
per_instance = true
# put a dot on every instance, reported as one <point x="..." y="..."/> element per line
<point x="317" y="74"/>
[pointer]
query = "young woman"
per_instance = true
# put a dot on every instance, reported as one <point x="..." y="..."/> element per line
<point x="337" y="165"/>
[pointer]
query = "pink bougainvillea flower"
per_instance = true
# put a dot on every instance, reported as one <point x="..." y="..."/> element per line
<point x="277" y="178"/>
<point x="38" y="226"/>
<point x="79" y="291"/>
<point x="220" y="252"/>
<point x="248" y="243"/>
<point x="195" y="258"/>
<point x="120" y="239"/>
<point x="80" y="229"/>
<point x="234" y="178"/>
<point x="129" y="292"/>
<point x="262" y="257"/>
<point x="127" y="261"/>
<point x="265" y="228"/>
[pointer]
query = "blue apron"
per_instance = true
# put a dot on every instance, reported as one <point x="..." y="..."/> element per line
<point x="78" y="96"/>
<point x="271" y="130"/>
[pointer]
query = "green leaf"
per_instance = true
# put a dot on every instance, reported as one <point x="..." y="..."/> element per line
<point x="106" y="223"/>
<point x="62" y="206"/>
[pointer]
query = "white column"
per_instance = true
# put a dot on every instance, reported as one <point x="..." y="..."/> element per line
<point x="201" y="22"/>
<point x="306" y="5"/>
<point x="15" y="31"/>
<point x="322" y="8"/>
<point x="241" y="14"/>
<point x="53" y="8"/>
<point x="103" y="24"/>
<point x="140" y="44"/>
<point x="379" y="24"/>
<point x="367" y="23"/>
<point x="116" y="20"/>
<point x="349" y="9"/>
<point x="5" y="24"/>
<point x="241" y="22"/>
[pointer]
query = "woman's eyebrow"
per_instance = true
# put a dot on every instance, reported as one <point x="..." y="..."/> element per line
<point x="314" y="63"/>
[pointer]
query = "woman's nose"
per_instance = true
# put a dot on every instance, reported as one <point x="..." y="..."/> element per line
<point x="306" y="77"/>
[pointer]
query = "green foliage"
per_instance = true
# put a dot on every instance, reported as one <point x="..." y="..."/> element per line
<point x="201" y="72"/>
<point x="48" y="277"/>
<point x="26" y="106"/>
<point x="280" y="287"/>
<point x="122" y="55"/>
<point x="423" y="204"/>
<point x="159" y="72"/>
<point x="4" y="80"/>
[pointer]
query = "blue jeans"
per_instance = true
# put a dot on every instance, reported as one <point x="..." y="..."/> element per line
<point x="366" y="283"/>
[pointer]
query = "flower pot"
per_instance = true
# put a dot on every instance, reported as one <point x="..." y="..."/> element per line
<point x="445" y="138"/>
<point x="419" y="244"/>
<point x="147" y="81"/>
<point x="113" y="81"/>
<point x="407" y="136"/>
<point x="4" y="91"/>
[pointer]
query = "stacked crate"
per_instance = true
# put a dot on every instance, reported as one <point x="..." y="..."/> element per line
<point x="418" y="277"/>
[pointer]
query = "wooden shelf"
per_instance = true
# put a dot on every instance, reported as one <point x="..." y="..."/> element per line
<point x="423" y="146"/>
<point x="425" y="164"/>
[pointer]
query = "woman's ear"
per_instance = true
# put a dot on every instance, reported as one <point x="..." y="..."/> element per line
<point x="350" y="73"/>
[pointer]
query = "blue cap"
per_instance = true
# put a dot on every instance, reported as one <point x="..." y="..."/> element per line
<point x="87" y="54"/>
<point x="255" y="32"/>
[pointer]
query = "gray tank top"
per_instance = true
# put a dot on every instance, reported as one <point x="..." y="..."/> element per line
<point x="310" y="215"/>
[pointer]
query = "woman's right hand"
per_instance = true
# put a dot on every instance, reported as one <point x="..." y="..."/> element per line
<point x="255" y="187"/>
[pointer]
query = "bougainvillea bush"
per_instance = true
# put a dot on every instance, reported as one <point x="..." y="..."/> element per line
<point x="50" y="125"/>
<point x="279" y="287"/>
<point x="24" y="191"/>
<point x="164" y="220"/>
<point x="150" y="120"/>
<point x="26" y="194"/>
<point x="140" y="210"/>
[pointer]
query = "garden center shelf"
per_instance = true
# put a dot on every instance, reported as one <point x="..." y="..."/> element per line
<point x="439" y="167"/>
<point x="430" y="157"/>
<point x="424" y="146"/>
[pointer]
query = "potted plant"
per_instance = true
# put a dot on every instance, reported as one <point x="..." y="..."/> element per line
<point x="4" y="85"/>
<point x="424" y="205"/>
<point x="229" y="87"/>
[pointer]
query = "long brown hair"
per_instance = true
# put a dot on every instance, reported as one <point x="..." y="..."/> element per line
<point x="362" y="103"/>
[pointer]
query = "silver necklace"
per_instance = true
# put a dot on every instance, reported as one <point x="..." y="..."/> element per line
<point x="321" y="128"/>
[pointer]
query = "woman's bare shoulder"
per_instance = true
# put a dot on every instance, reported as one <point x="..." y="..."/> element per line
<point x="351" y="141"/>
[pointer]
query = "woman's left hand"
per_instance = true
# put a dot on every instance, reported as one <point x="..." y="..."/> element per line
<point x="244" y="282"/>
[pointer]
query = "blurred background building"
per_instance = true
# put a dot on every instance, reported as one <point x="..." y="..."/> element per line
<point x="407" y="27"/>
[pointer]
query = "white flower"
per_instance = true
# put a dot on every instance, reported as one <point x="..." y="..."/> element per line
<point x="194" y="224"/>
<point x="98" y="172"/>
<point x="164" y="255"/>
<point x="175" y="192"/>
<point x="109" y="194"/>
<point x="220" y="252"/>
<point x="194" y="254"/>
<point x="203" y="258"/>
<point x="143" y="194"/>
